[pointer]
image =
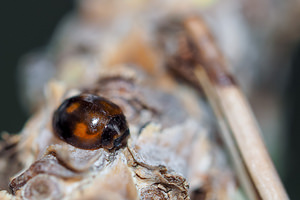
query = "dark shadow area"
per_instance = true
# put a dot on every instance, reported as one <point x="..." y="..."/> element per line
<point x="293" y="128"/>
<point x="24" y="26"/>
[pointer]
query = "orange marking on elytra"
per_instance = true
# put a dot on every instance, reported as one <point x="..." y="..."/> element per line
<point x="81" y="131"/>
<point x="72" y="107"/>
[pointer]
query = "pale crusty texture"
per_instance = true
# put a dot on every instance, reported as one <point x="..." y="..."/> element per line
<point x="162" y="161"/>
<point x="172" y="152"/>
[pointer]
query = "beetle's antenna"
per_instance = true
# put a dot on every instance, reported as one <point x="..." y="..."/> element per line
<point x="239" y="127"/>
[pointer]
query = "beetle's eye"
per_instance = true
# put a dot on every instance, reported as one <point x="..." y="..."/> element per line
<point x="90" y="122"/>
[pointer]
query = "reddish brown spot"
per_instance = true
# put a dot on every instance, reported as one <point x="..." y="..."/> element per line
<point x="81" y="131"/>
<point x="72" y="107"/>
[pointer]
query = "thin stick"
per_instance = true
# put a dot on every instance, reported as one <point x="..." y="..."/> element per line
<point x="237" y="160"/>
<point x="235" y="116"/>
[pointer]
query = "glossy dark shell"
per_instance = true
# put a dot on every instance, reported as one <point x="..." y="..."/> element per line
<point x="88" y="121"/>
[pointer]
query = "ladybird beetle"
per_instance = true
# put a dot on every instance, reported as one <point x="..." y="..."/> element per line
<point x="90" y="122"/>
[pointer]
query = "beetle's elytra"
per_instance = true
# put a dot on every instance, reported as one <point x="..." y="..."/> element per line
<point x="89" y="121"/>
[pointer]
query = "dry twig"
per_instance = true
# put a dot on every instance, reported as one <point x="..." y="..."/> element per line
<point x="239" y="127"/>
